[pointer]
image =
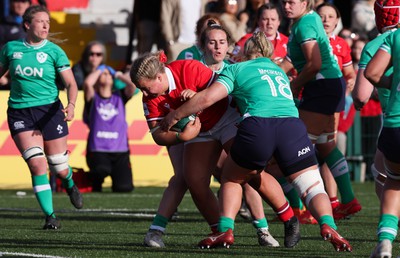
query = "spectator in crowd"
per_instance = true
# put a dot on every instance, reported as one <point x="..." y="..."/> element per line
<point x="36" y="117"/>
<point x="12" y="28"/>
<point x="92" y="57"/>
<point x="363" y="17"/>
<point x="212" y="6"/>
<point x="107" y="146"/>
<point x="178" y="20"/>
<point x="268" y="20"/>
<point x="348" y="35"/>
<point x="146" y="16"/>
<point x="250" y="12"/>
<point x="236" y="27"/>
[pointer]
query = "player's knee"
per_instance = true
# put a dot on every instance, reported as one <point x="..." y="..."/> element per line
<point x="308" y="185"/>
<point x="33" y="153"/>
<point x="58" y="162"/>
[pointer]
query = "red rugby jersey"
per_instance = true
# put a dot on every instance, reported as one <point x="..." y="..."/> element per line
<point x="186" y="74"/>
<point x="341" y="50"/>
<point x="279" y="43"/>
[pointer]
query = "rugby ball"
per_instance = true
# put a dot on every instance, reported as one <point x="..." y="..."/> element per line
<point x="178" y="127"/>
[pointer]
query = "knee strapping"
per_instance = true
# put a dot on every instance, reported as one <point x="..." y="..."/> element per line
<point x="58" y="162"/>
<point x="379" y="177"/>
<point x="32" y="153"/>
<point x="322" y="138"/>
<point x="308" y="185"/>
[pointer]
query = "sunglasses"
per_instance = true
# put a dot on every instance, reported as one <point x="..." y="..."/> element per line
<point x="96" y="54"/>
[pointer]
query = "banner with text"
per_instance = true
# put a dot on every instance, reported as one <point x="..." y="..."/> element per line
<point x="150" y="163"/>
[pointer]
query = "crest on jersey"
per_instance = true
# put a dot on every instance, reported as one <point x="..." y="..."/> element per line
<point x="41" y="57"/>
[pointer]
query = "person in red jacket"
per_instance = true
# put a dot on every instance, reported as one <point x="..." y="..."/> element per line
<point x="268" y="21"/>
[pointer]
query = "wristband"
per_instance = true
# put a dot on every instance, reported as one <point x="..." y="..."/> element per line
<point x="71" y="104"/>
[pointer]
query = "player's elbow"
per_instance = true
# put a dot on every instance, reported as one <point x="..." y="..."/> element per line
<point x="372" y="76"/>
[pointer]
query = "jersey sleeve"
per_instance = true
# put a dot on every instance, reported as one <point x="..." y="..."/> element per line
<point x="387" y="43"/>
<point x="61" y="62"/>
<point x="306" y="32"/>
<point x="227" y="78"/>
<point x="366" y="56"/>
<point x="152" y="109"/>
<point x="347" y="60"/>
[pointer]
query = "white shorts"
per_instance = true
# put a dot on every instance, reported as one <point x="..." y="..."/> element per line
<point x="222" y="131"/>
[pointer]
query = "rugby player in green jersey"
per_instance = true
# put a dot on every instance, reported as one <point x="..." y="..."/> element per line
<point x="36" y="117"/>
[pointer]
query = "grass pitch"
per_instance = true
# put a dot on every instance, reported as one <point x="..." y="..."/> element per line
<point x="114" y="225"/>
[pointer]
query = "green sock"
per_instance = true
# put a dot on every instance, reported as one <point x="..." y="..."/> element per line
<point x="42" y="190"/>
<point x="160" y="221"/>
<point x="327" y="219"/>
<point x="225" y="223"/>
<point x="290" y="194"/>
<point x="68" y="182"/>
<point x="338" y="165"/>
<point x="260" y="223"/>
<point x="387" y="227"/>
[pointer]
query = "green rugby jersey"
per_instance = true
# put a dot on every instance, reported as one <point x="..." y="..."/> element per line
<point x="33" y="71"/>
<point x="191" y="53"/>
<point x="307" y="28"/>
<point x="368" y="52"/>
<point x="223" y="65"/>
<point x="391" y="44"/>
<point x="194" y="53"/>
<point x="260" y="88"/>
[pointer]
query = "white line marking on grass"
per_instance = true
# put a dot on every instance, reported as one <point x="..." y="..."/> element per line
<point x="135" y="215"/>
<point x="30" y="255"/>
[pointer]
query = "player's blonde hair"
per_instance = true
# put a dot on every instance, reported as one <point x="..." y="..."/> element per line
<point x="310" y="4"/>
<point x="258" y="45"/>
<point x="147" y="66"/>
